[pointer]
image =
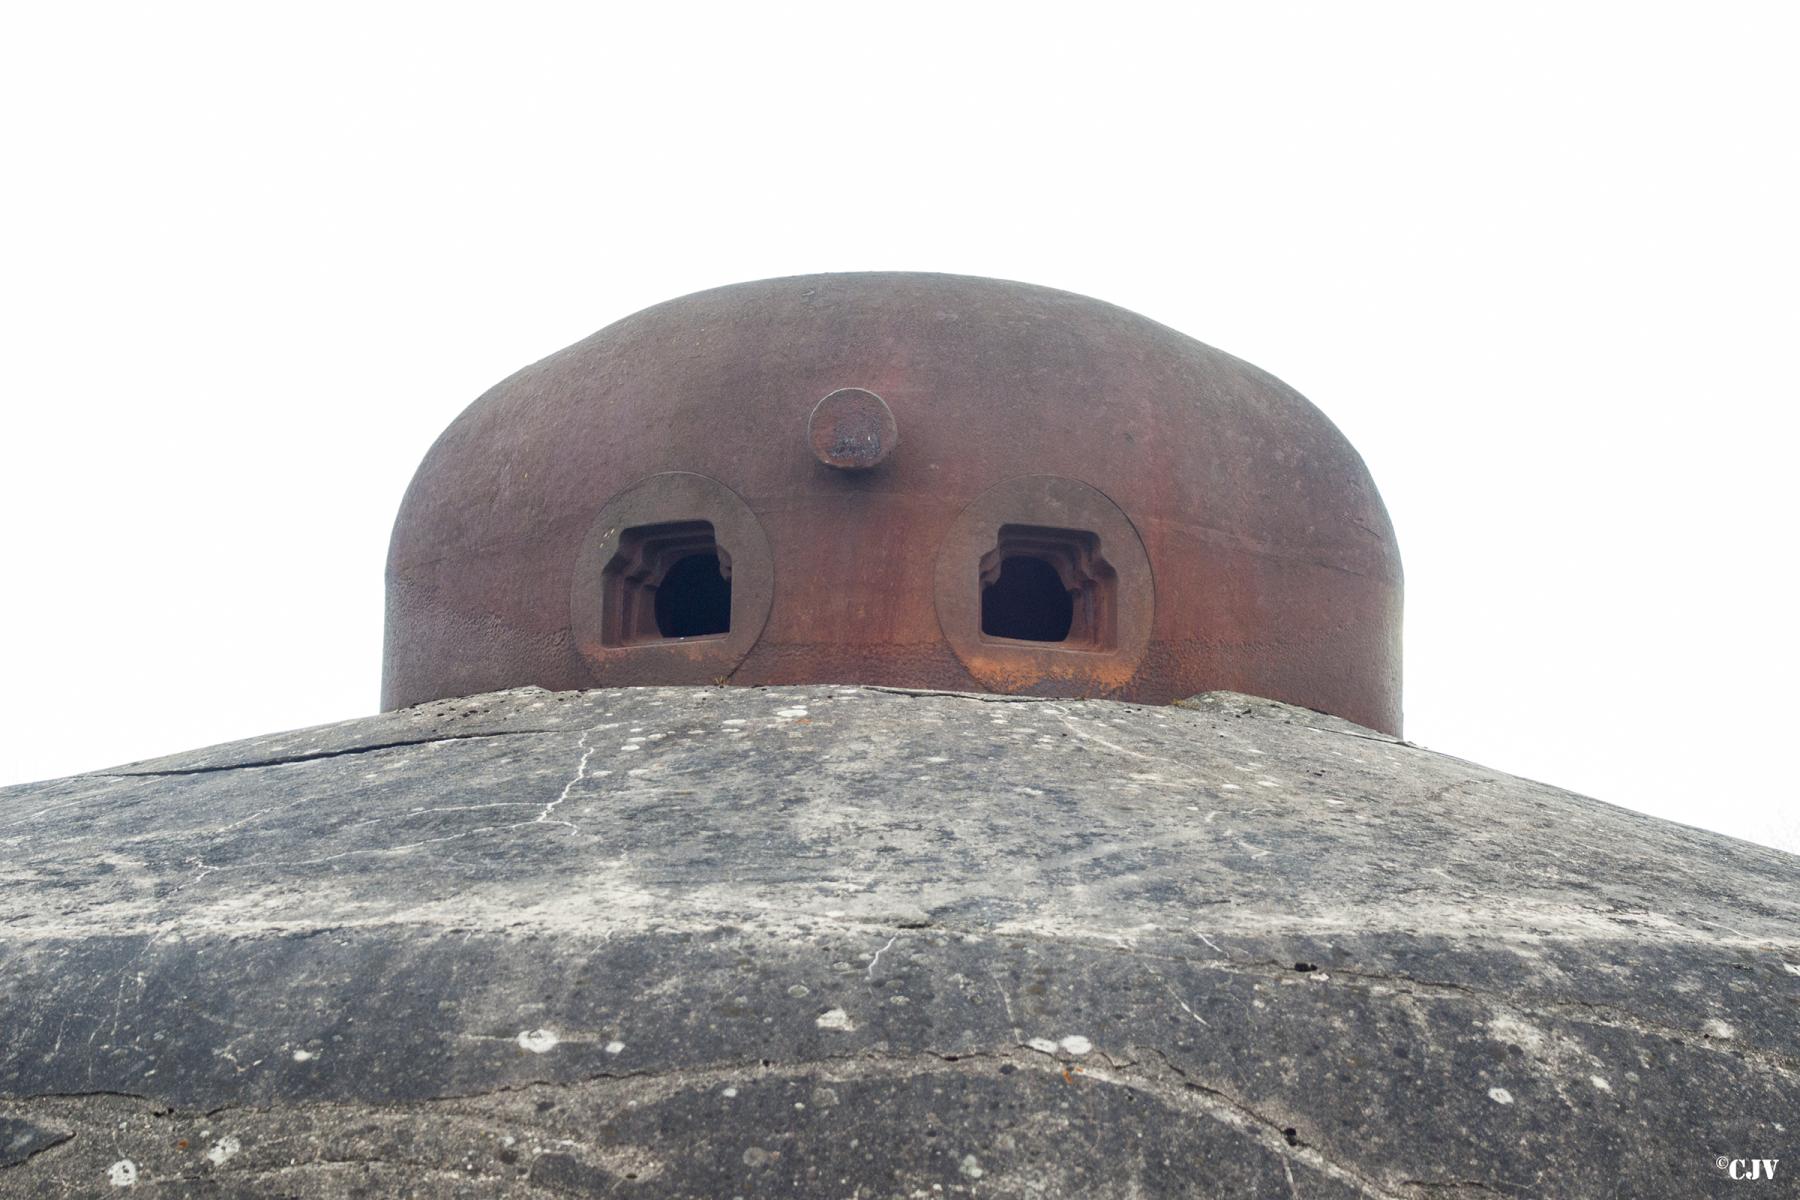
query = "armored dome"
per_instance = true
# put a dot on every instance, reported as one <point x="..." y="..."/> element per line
<point x="828" y="939"/>
<point x="901" y="479"/>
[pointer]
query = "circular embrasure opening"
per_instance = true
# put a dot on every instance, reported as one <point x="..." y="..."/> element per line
<point x="1043" y="587"/>
<point x="672" y="585"/>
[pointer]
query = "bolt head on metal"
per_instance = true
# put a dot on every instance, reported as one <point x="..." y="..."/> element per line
<point x="852" y="429"/>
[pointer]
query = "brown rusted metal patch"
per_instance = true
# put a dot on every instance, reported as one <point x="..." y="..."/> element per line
<point x="1275" y="565"/>
<point x="852" y="429"/>
<point x="644" y="540"/>
<point x="1069" y="547"/>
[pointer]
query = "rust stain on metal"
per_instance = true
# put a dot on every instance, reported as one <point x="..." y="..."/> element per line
<point x="1088" y="503"/>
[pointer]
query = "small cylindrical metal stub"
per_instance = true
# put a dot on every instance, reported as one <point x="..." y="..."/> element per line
<point x="852" y="429"/>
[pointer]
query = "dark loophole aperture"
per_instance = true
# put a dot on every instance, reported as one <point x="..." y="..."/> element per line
<point x="694" y="599"/>
<point x="1028" y="602"/>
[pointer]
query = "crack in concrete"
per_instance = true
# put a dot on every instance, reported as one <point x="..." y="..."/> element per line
<point x="317" y="755"/>
<point x="59" y="1137"/>
<point x="587" y="752"/>
<point x="1113" y="746"/>
<point x="982" y="697"/>
<point x="1270" y="1131"/>
<point x="86" y="1094"/>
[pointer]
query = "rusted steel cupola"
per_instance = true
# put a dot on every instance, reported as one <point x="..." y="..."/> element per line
<point x="926" y="481"/>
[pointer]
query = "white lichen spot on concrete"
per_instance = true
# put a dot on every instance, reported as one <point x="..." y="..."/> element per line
<point x="938" y="758"/>
<point x="1500" y="1096"/>
<point x="971" y="1167"/>
<point x="729" y="1093"/>
<point x="790" y="714"/>
<point x="122" y="1173"/>
<point x="835" y="1018"/>
<point x="304" y="1056"/>
<point x="1600" y="1083"/>
<point x="1076" y="1044"/>
<point x="734" y="721"/>
<point x="799" y="990"/>
<point x="1230" y="787"/>
<point x="1042" y="1045"/>
<point x="1267" y="783"/>
<point x="1718" y="1029"/>
<point x="538" y="1040"/>
<point x="615" y="1047"/>
<point x="1791" y="968"/>
<point x="223" y="1150"/>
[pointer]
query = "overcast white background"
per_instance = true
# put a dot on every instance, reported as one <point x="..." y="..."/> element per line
<point x="1538" y="262"/>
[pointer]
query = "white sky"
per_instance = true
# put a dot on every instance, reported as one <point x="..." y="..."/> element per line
<point x="1538" y="262"/>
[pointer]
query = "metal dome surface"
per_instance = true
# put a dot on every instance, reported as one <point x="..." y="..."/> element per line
<point x="1197" y="524"/>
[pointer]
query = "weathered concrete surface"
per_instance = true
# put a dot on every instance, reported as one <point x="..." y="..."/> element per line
<point x="842" y="942"/>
